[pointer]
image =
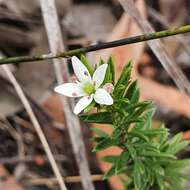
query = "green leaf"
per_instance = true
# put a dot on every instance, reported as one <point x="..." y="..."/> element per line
<point x="116" y="133"/>
<point x="155" y="154"/>
<point x="146" y="146"/>
<point x="140" y="135"/>
<point x="163" y="138"/>
<point x="136" y="114"/>
<point x="160" y="182"/>
<point x="140" y="166"/>
<point x="123" y="80"/>
<point x="121" y="162"/>
<point x="97" y="139"/>
<point x="158" y="169"/>
<point x="176" y="145"/>
<point x="175" y="173"/>
<point x="122" y="103"/>
<point x="155" y="131"/>
<point x="131" y="108"/>
<point x="106" y="143"/>
<point x="149" y="172"/>
<point x="146" y="119"/>
<point x="179" y="164"/>
<point x="119" y="92"/>
<point x="133" y="92"/>
<point x="110" y="158"/>
<point x="132" y="151"/>
<point x="100" y="132"/>
<point x="109" y="173"/>
<point x="132" y="120"/>
<point x="176" y="139"/>
<point x="110" y="73"/>
<point x="146" y="105"/>
<point x="137" y="176"/>
<point x="90" y="107"/>
<point x="99" y="117"/>
<point x="87" y="64"/>
<point x="101" y="61"/>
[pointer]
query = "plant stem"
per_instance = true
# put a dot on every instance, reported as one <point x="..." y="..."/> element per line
<point x="125" y="41"/>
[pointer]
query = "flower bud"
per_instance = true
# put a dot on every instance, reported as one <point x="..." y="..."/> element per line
<point x="108" y="87"/>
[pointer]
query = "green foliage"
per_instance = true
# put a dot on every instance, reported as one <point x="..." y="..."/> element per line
<point x="87" y="64"/>
<point x="148" y="159"/>
<point x="99" y="117"/>
<point x="110" y="73"/>
<point x="124" y="78"/>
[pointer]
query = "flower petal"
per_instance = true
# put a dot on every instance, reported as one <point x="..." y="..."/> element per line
<point x="99" y="75"/>
<point x="80" y="70"/>
<point x="70" y="89"/>
<point x="101" y="96"/>
<point x="82" y="104"/>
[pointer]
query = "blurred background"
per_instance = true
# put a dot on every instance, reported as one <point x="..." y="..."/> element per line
<point x="83" y="22"/>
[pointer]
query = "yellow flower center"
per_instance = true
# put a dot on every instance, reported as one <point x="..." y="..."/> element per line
<point x="89" y="88"/>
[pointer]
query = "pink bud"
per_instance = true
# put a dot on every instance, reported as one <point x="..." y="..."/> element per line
<point x="108" y="87"/>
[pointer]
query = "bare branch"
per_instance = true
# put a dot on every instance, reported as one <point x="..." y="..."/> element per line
<point x="99" y="46"/>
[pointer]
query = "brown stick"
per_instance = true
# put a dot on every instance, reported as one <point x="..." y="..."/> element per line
<point x="35" y="123"/>
<point x="69" y="179"/>
<point x="56" y="45"/>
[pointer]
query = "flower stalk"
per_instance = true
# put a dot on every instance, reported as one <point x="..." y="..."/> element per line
<point x="105" y="45"/>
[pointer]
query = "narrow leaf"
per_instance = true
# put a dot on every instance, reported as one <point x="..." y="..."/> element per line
<point x="99" y="117"/>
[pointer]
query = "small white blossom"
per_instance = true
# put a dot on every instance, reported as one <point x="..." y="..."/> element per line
<point x="87" y="87"/>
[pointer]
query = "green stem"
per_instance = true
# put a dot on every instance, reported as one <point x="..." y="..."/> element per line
<point x="125" y="41"/>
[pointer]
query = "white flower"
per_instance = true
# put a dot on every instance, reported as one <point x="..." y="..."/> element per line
<point x="87" y="87"/>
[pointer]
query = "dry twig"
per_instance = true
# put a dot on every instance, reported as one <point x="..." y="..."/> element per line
<point x="69" y="179"/>
<point x="156" y="15"/>
<point x="99" y="46"/>
<point x="36" y="125"/>
<point x="56" y="45"/>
